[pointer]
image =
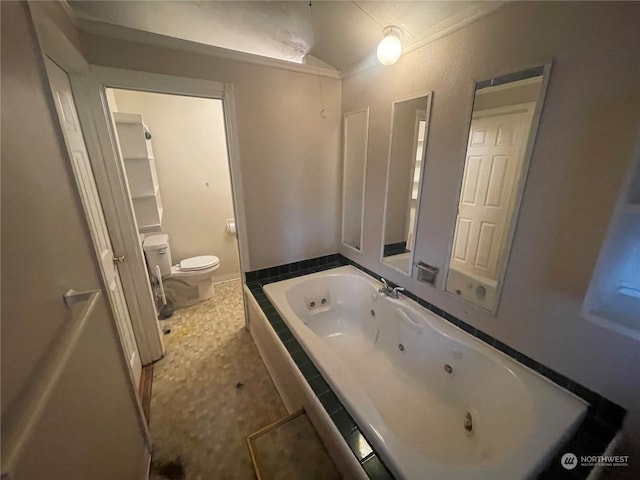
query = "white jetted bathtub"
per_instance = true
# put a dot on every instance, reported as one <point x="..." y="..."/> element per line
<point x="435" y="402"/>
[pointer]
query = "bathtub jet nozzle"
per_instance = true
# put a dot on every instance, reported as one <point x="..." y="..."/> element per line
<point x="468" y="423"/>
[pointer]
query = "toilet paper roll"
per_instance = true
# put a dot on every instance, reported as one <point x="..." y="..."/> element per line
<point x="231" y="227"/>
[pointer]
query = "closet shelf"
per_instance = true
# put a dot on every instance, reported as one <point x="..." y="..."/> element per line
<point x="147" y="195"/>
<point x="137" y="157"/>
<point x="154" y="228"/>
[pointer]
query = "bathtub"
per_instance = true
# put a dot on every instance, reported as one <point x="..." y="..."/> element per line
<point x="434" y="401"/>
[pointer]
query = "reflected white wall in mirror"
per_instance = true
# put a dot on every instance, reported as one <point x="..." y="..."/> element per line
<point x="407" y="149"/>
<point x="499" y="145"/>
<point x="354" y="158"/>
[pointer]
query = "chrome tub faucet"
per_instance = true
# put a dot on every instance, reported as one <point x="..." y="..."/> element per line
<point x="388" y="291"/>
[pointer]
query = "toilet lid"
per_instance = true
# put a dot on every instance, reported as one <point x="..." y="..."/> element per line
<point x="198" y="263"/>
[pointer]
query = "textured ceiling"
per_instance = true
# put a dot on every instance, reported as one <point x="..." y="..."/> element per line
<point x="340" y="33"/>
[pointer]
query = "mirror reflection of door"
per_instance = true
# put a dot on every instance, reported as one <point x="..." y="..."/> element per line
<point x="495" y="165"/>
<point x="404" y="179"/>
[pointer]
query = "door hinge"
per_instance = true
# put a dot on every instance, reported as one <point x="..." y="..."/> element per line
<point x="118" y="259"/>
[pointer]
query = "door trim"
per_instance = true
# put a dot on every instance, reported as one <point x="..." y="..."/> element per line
<point x="91" y="89"/>
<point x="118" y="209"/>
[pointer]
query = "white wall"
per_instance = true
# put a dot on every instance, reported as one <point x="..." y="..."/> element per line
<point x="289" y="154"/>
<point x="514" y="95"/>
<point x="190" y="151"/>
<point x="585" y="142"/>
<point x="89" y="428"/>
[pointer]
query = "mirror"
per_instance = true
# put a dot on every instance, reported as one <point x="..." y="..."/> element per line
<point x="501" y="137"/>
<point x="354" y="158"/>
<point x="409" y="128"/>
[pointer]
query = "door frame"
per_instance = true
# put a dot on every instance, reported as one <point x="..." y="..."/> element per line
<point x="93" y="108"/>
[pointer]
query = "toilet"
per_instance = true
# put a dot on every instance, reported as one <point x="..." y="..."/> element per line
<point x="185" y="283"/>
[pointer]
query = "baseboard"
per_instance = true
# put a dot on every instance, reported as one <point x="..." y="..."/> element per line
<point x="225" y="278"/>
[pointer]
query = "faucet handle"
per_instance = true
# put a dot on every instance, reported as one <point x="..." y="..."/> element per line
<point x="384" y="283"/>
<point x="396" y="290"/>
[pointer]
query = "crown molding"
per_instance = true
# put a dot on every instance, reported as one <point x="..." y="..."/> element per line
<point x="109" y="30"/>
<point x="438" y="31"/>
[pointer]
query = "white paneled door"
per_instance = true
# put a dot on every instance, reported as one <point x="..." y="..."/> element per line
<point x="495" y="153"/>
<point x="67" y="114"/>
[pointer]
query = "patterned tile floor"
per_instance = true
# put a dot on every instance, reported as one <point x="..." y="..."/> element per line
<point x="293" y="450"/>
<point x="200" y="414"/>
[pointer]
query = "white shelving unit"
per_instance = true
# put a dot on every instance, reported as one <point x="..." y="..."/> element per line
<point x="140" y="166"/>
<point x="613" y="299"/>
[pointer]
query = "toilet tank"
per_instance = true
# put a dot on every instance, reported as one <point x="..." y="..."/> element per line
<point x="156" y="249"/>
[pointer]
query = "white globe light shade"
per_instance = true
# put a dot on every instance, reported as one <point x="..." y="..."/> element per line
<point x="389" y="50"/>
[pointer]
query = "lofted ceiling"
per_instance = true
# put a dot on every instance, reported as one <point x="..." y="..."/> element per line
<point x="341" y="34"/>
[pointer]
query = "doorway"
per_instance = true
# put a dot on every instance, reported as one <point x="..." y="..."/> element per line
<point x="92" y="91"/>
<point x="175" y="157"/>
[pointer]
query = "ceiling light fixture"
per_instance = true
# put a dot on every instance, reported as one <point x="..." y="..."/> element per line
<point x="390" y="47"/>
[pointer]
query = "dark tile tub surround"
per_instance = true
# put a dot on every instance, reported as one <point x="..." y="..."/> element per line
<point x="602" y="422"/>
<point x="394" y="249"/>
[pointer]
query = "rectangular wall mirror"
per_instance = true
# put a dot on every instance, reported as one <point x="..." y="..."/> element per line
<point x="501" y="136"/>
<point x="408" y="145"/>
<point x="354" y="158"/>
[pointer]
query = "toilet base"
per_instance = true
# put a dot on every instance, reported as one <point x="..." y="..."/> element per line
<point x="183" y="294"/>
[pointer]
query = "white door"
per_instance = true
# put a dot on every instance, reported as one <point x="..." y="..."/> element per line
<point x="492" y="168"/>
<point x="68" y="117"/>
